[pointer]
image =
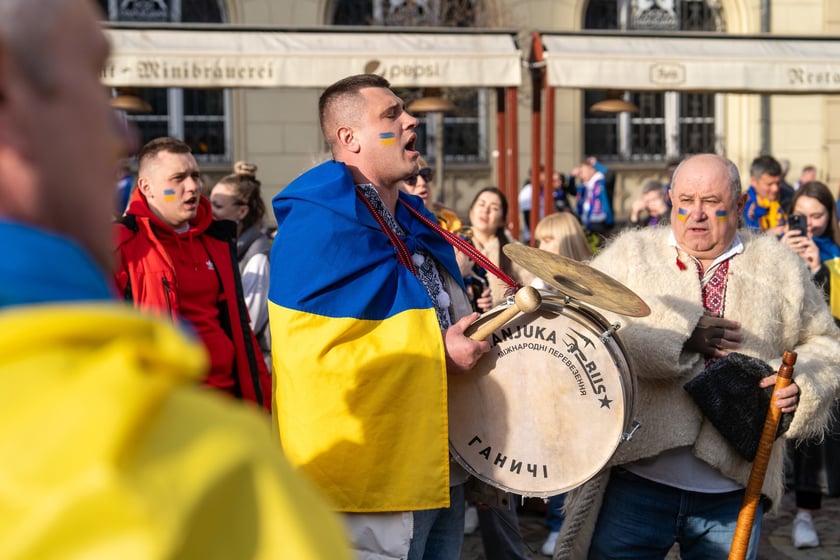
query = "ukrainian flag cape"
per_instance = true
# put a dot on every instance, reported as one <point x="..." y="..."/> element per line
<point x="357" y="349"/>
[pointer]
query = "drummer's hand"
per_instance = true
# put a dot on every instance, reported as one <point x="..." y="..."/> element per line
<point x="462" y="352"/>
<point x="788" y="398"/>
<point x="714" y="337"/>
<point x="484" y="301"/>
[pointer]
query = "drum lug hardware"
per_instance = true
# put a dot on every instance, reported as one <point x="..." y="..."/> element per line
<point x="607" y="334"/>
<point x="634" y="426"/>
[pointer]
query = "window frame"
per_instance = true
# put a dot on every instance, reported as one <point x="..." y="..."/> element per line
<point x="427" y="127"/>
<point x="175" y="117"/>
<point x="671" y="118"/>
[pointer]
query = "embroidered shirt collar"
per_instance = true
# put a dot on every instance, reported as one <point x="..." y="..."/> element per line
<point x="735" y="248"/>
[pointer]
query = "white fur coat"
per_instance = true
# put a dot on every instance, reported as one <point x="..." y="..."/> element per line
<point x="770" y="292"/>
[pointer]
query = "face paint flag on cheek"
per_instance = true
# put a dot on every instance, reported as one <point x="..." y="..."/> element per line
<point x="720" y="215"/>
<point x="387" y="138"/>
<point x="169" y="195"/>
<point x="682" y="214"/>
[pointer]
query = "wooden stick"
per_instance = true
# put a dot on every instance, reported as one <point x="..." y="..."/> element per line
<point x="527" y="299"/>
<point x="741" y="539"/>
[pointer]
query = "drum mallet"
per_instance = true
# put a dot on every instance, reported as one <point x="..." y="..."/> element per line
<point x="526" y="300"/>
<point x="741" y="539"/>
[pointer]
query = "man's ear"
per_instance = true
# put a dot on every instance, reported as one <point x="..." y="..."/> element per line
<point x="742" y="202"/>
<point x="347" y="140"/>
<point x="144" y="186"/>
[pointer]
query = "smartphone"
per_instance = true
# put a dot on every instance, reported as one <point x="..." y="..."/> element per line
<point x="799" y="222"/>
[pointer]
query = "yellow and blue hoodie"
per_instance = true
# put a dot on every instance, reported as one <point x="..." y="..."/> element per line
<point x="109" y="448"/>
<point x="357" y="350"/>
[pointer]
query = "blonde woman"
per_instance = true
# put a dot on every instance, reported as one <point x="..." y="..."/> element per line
<point x="561" y="234"/>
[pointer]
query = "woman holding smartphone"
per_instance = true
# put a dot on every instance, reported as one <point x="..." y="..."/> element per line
<point x="814" y="235"/>
<point x="818" y="243"/>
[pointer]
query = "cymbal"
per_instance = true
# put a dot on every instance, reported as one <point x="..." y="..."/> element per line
<point x="578" y="280"/>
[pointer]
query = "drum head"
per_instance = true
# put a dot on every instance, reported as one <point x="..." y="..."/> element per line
<point x="545" y="409"/>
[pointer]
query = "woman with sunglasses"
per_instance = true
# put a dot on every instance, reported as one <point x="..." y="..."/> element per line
<point x="420" y="184"/>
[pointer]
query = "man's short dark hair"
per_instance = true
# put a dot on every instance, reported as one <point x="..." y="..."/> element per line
<point x="161" y="144"/>
<point x="653" y="185"/>
<point x="346" y="87"/>
<point x="765" y="165"/>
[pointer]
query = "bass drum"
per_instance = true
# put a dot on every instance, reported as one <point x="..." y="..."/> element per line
<point x="545" y="409"/>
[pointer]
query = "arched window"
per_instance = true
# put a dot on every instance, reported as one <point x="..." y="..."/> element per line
<point x="197" y="116"/>
<point x="668" y="125"/>
<point x="465" y="138"/>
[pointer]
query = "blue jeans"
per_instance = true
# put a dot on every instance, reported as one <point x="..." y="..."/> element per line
<point x="554" y="513"/>
<point x="643" y="519"/>
<point x="439" y="533"/>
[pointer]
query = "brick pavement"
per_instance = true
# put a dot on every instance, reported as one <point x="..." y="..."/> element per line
<point x="775" y="535"/>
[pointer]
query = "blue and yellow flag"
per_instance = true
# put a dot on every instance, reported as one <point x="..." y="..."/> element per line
<point x="357" y="349"/>
<point x="830" y="258"/>
<point x="763" y="213"/>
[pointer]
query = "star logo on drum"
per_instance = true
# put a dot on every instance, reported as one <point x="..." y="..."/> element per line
<point x="605" y="402"/>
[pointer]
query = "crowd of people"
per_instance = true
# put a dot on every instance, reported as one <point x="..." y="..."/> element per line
<point x="172" y="394"/>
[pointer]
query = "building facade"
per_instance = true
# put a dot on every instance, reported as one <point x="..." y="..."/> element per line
<point x="277" y="128"/>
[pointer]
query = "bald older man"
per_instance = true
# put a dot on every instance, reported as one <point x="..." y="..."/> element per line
<point x="712" y="290"/>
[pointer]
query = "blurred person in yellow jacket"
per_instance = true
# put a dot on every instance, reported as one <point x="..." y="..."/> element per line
<point x="109" y="447"/>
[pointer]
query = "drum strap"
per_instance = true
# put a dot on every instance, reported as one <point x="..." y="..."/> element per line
<point x="465" y="247"/>
<point x="404" y="256"/>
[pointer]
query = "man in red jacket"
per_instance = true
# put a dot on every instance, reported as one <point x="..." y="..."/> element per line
<point x="173" y="259"/>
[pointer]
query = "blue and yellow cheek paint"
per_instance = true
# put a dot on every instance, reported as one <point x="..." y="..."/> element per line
<point x="720" y="215"/>
<point x="387" y="138"/>
<point x="169" y="195"/>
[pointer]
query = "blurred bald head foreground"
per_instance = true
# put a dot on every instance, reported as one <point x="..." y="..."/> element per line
<point x="59" y="143"/>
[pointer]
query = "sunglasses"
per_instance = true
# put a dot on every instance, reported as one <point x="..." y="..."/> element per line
<point x="426" y="173"/>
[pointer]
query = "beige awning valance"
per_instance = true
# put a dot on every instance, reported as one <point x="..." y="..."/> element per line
<point x="712" y="63"/>
<point x="236" y="58"/>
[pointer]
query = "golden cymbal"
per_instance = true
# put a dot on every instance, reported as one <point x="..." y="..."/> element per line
<point x="578" y="280"/>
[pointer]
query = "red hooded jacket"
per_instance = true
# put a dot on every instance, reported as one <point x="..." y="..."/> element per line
<point x="146" y="274"/>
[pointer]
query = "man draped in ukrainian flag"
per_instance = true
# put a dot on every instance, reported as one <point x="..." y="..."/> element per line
<point x="364" y="309"/>
<point x="763" y="210"/>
